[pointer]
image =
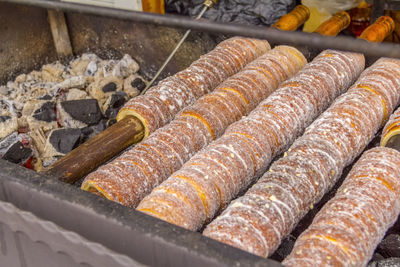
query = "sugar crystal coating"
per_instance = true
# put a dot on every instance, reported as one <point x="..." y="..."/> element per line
<point x="313" y="164"/>
<point x="392" y="127"/>
<point x="348" y="228"/>
<point x="247" y="147"/>
<point x="168" y="148"/>
<point x="176" y="92"/>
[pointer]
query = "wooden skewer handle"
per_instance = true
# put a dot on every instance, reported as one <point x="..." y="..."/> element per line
<point x="294" y="19"/>
<point x="96" y="151"/>
<point x="331" y="27"/>
<point x="378" y="31"/>
<point x="335" y="24"/>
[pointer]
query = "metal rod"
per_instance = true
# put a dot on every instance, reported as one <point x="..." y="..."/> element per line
<point x="173" y="52"/>
<point x="272" y="35"/>
<point x="392" y="5"/>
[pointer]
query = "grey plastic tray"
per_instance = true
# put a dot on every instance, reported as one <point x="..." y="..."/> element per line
<point x="46" y="222"/>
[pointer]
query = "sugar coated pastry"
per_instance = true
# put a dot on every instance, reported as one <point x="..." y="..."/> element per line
<point x="220" y="171"/>
<point x="346" y="231"/>
<point x="152" y="161"/>
<point x="162" y="102"/>
<point x="391" y="129"/>
<point x="273" y="206"/>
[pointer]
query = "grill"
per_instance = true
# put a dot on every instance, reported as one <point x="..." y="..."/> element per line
<point x="44" y="220"/>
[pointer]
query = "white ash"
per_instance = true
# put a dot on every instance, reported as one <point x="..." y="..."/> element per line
<point x="75" y="94"/>
<point x="85" y="77"/>
<point x="42" y="116"/>
<point x="8" y="125"/>
<point x="53" y="72"/>
<point x="91" y="68"/>
<point x="102" y="88"/>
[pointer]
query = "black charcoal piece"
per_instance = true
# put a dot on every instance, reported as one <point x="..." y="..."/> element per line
<point x="91" y="131"/>
<point x="7" y="142"/>
<point x="17" y="153"/>
<point x="45" y="97"/>
<point x="45" y="113"/>
<point x="377" y="257"/>
<point x="86" y="132"/>
<point x="84" y="110"/>
<point x="64" y="140"/>
<point x="4" y="118"/>
<point x="117" y="101"/>
<point x="139" y="84"/>
<point x="101" y="126"/>
<point x="109" y="87"/>
<point x="390" y="246"/>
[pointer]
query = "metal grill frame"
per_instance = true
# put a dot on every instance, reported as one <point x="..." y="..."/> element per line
<point x="124" y="230"/>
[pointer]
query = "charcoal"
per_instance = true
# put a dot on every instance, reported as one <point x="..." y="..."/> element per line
<point x="45" y="97"/>
<point x="395" y="229"/>
<point x="101" y="126"/>
<point x="109" y="87"/>
<point x="87" y="131"/>
<point x="45" y="113"/>
<point x="91" y="131"/>
<point x="4" y="118"/>
<point x="103" y="87"/>
<point x="134" y="85"/>
<point x="64" y="140"/>
<point x="139" y="84"/>
<point x="83" y="110"/>
<point x="377" y="257"/>
<point x="17" y="153"/>
<point x="7" y="141"/>
<point x="390" y="246"/>
<point x="38" y="114"/>
<point x="390" y="262"/>
<point x="114" y="104"/>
